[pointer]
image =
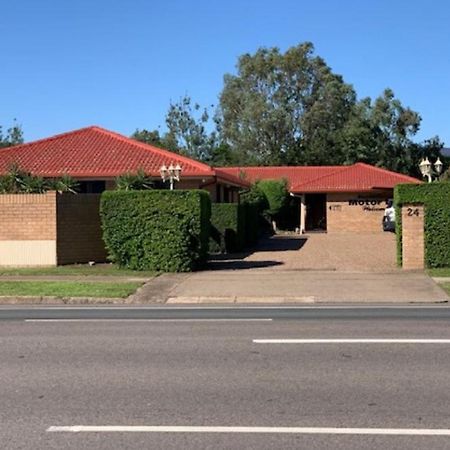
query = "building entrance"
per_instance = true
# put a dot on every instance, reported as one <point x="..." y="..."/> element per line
<point x="316" y="212"/>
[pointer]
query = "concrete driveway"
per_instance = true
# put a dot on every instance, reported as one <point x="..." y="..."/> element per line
<point x="321" y="251"/>
<point x="316" y="268"/>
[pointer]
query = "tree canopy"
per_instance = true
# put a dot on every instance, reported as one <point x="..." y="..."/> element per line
<point x="13" y="136"/>
<point x="288" y="109"/>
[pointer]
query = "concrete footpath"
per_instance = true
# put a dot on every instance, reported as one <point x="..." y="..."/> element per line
<point x="291" y="287"/>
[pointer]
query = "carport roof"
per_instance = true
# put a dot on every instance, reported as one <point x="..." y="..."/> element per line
<point x="359" y="177"/>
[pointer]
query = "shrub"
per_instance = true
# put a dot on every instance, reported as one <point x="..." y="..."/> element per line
<point x="156" y="230"/>
<point x="134" y="181"/>
<point x="227" y="228"/>
<point x="276" y="194"/>
<point x="17" y="181"/>
<point x="436" y="200"/>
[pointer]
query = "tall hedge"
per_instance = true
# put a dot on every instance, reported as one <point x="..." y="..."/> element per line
<point x="233" y="226"/>
<point x="227" y="228"/>
<point x="436" y="200"/>
<point x="156" y="230"/>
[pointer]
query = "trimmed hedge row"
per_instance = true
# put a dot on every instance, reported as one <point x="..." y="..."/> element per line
<point x="227" y="228"/>
<point x="436" y="199"/>
<point x="156" y="230"/>
<point x="233" y="226"/>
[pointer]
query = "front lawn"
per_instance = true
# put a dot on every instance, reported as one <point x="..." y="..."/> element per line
<point x="77" y="270"/>
<point x="67" y="289"/>
<point x="440" y="272"/>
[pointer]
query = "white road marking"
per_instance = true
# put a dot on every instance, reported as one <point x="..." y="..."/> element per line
<point x="351" y="341"/>
<point x="147" y="320"/>
<point x="272" y="430"/>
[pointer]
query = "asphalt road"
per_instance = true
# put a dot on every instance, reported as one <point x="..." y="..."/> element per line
<point x="203" y="368"/>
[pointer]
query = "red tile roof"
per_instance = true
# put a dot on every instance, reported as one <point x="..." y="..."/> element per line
<point x="359" y="177"/>
<point x="293" y="174"/>
<point x="95" y="152"/>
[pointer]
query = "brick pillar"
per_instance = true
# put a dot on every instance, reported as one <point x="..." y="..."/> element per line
<point x="413" y="240"/>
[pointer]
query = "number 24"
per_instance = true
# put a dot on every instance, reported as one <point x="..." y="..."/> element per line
<point x="413" y="212"/>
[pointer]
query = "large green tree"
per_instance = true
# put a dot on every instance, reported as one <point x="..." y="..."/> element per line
<point x="290" y="108"/>
<point x="285" y="108"/>
<point x="380" y="132"/>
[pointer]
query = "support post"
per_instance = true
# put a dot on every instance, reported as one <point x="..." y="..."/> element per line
<point x="302" y="214"/>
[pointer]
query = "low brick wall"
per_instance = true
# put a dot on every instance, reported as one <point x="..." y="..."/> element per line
<point x="50" y="229"/>
<point x="79" y="233"/>
<point x="28" y="229"/>
<point x="356" y="213"/>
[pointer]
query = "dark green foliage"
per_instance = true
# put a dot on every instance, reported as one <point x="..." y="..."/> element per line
<point x="234" y="226"/>
<point x="276" y="194"/>
<point x="134" y="181"/>
<point x="166" y="141"/>
<point x="436" y="199"/>
<point x="13" y="136"/>
<point x="252" y="222"/>
<point x="17" y="181"/>
<point x="227" y="228"/>
<point x="65" y="184"/>
<point x="156" y="230"/>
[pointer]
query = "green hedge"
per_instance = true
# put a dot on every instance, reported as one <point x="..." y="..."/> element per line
<point x="227" y="228"/>
<point x="233" y="226"/>
<point x="156" y="230"/>
<point x="436" y="200"/>
<point x="252" y="223"/>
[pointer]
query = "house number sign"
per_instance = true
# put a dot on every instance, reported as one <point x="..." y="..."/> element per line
<point x="413" y="212"/>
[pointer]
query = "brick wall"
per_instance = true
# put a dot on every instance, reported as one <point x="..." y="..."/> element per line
<point x="79" y="229"/>
<point x="28" y="229"/>
<point x="355" y="213"/>
<point x="413" y="241"/>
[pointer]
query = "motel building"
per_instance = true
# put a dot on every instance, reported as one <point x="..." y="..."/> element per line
<point x="334" y="198"/>
<point x="326" y="198"/>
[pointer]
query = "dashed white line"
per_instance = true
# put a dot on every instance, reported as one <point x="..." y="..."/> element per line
<point x="147" y="320"/>
<point x="351" y="341"/>
<point x="268" y="430"/>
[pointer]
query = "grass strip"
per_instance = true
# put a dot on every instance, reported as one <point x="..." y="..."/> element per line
<point x="67" y="289"/>
<point x="77" y="269"/>
<point x="446" y="287"/>
<point x="440" y="272"/>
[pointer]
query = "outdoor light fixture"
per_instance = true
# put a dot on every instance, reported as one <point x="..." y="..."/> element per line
<point x="429" y="170"/>
<point x="171" y="173"/>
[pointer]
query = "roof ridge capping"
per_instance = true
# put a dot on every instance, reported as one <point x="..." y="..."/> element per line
<point x="391" y="172"/>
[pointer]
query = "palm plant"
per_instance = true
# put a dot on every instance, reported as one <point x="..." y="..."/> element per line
<point x="134" y="181"/>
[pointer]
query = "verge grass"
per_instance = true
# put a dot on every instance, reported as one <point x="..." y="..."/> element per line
<point x="67" y="289"/>
<point x="78" y="270"/>
<point x="440" y="272"/>
<point x="446" y="287"/>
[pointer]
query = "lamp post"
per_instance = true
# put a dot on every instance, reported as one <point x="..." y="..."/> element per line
<point x="171" y="173"/>
<point x="427" y="169"/>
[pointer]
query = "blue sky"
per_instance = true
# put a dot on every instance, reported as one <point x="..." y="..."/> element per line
<point x="118" y="64"/>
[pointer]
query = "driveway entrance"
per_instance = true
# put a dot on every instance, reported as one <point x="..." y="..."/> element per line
<point x="321" y="251"/>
